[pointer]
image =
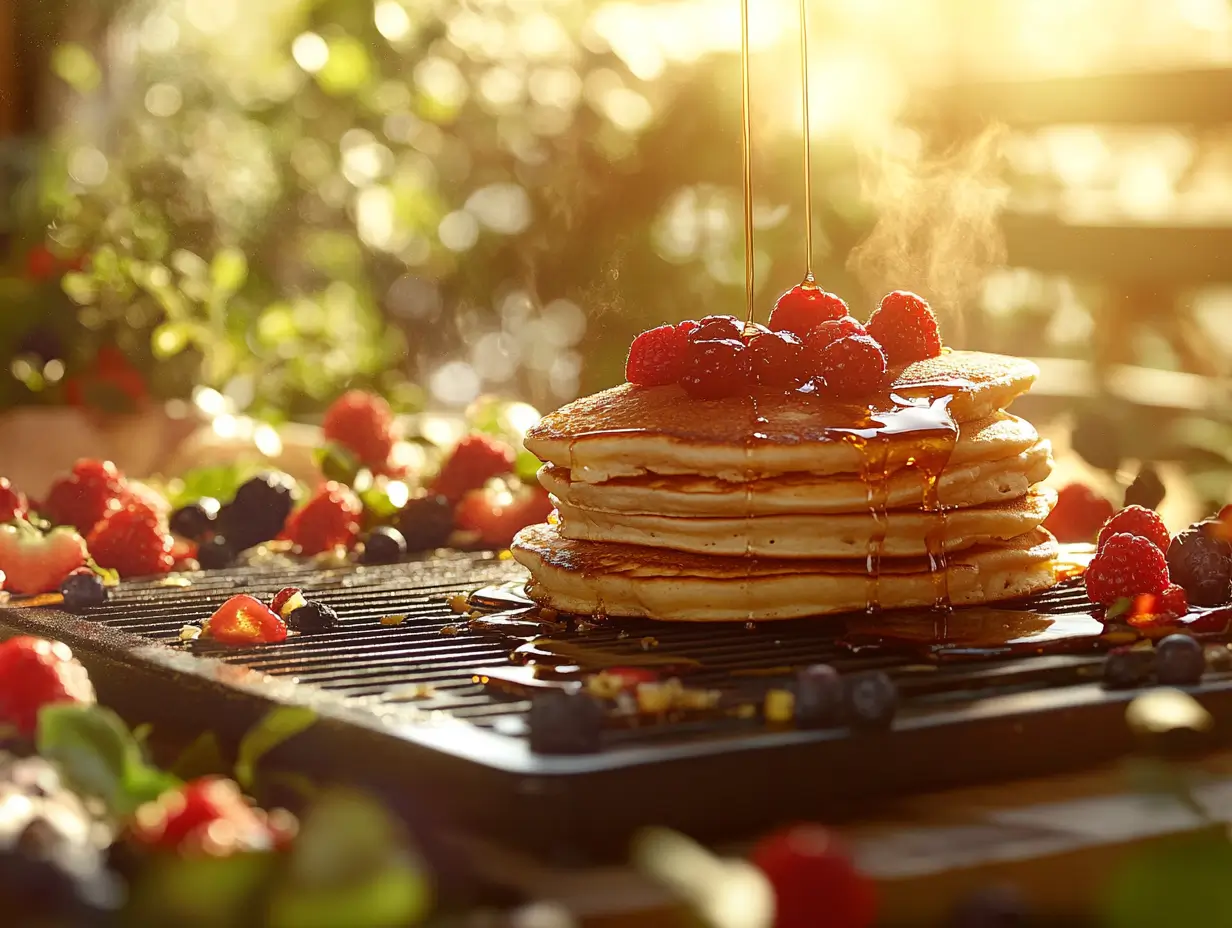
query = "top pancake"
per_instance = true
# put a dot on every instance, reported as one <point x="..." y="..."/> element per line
<point x="630" y="430"/>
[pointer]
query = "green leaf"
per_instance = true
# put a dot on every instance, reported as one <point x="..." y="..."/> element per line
<point x="170" y="339"/>
<point x="279" y="725"/>
<point x="1118" y="608"/>
<point x="199" y="890"/>
<point x="228" y="271"/>
<point x="76" y="67"/>
<point x="336" y="463"/>
<point x="201" y="758"/>
<point x="1179" y="883"/>
<point x="80" y="288"/>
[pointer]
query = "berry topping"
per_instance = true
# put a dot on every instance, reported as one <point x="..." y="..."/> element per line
<point x="329" y="519"/>
<point x="195" y="520"/>
<point x="1149" y="611"/>
<point x="815" y="882"/>
<point x="497" y="514"/>
<point x="1135" y="520"/>
<point x="906" y="328"/>
<point x="853" y="366"/>
<point x="313" y="616"/>
<point x="777" y="360"/>
<point x="13" y="504"/>
<point x="821" y="699"/>
<point x="187" y="820"/>
<point x="565" y="723"/>
<point x="426" y="522"/>
<point x="362" y="423"/>
<point x="244" y="620"/>
<point x="872" y="700"/>
<point x="287" y="600"/>
<point x="36" y="563"/>
<point x="656" y="357"/>
<point x="132" y="543"/>
<point x="82" y="590"/>
<point x="831" y="331"/>
<point x="384" y="545"/>
<point x="1200" y="561"/>
<point x="216" y="553"/>
<point x="1179" y="661"/>
<point x="35" y="672"/>
<point x="802" y="308"/>
<point x="1126" y="566"/>
<point x="1128" y="667"/>
<point x="475" y="460"/>
<point x="259" y="511"/>
<point x="1147" y="490"/>
<point x="715" y="369"/>
<point x="88" y="493"/>
<point x="716" y="329"/>
<point x="1079" y="514"/>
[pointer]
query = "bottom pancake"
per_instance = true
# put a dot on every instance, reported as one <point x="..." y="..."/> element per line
<point x="588" y="578"/>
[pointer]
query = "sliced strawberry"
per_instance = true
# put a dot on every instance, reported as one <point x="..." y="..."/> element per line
<point x="38" y="563"/>
<point x="244" y="620"/>
<point x="497" y="515"/>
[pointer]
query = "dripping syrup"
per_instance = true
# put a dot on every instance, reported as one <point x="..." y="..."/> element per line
<point x="809" y="279"/>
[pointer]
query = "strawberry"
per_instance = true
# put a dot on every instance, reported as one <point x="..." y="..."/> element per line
<point x="88" y="493"/>
<point x="329" y="519"/>
<point x="815" y="882"/>
<point x="244" y="620"/>
<point x="362" y="423"/>
<point x="287" y="600"/>
<point x="185" y="820"/>
<point x="475" y="460"/>
<point x="13" y="503"/>
<point x="132" y="542"/>
<point x="35" y="672"/>
<point x="38" y="563"/>
<point x="136" y="493"/>
<point x="497" y="515"/>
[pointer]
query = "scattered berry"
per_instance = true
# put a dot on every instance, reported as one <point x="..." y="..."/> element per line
<point x="475" y="460"/>
<point x="259" y="511"/>
<point x="994" y="907"/>
<point x="802" y="308"/>
<point x="717" y="329"/>
<point x="1179" y="661"/>
<point x="287" y="600"/>
<point x="656" y="357"/>
<point x="362" y="423"/>
<point x="1125" y="567"/>
<point x="715" y="369"/>
<point x="36" y="563"/>
<point x="132" y="544"/>
<point x="905" y="327"/>
<point x="216" y="553"/>
<point x="1135" y="520"/>
<point x="384" y="545"/>
<point x="565" y="723"/>
<point x="426" y="522"/>
<point x="853" y="366"/>
<point x="195" y="520"/>
<point x="186" y="820"/>
<point x="82" y="590"/>
<point x="35" y="672"/>
<point x="815" y="882"/>
<point x="499" y="515"/>
<point x="1173" y="601"/>
<point x="872" y="700"/>
<point x="1200" y="561"/>
<point x="1079" y="514"/>
<point x="313" y="616"/>
<point x="831" y="331"/>
<point x="1147" y="490"/>
<point x="244" y="620"/>
<point x="1150" y="611"/>
<point x="88" y="493"/>
<point x="777" y="360"/>
<point x="329" y="520"/>
<point x="821" y="700"/>
<point x="1127" y="667"/>
<point x="13" y="504"/>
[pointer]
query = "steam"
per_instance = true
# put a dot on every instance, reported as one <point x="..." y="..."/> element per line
<point x="937" y="231"/>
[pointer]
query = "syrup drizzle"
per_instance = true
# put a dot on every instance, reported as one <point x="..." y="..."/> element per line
<point x="809" y="280"/>
<point x="746" y="150"/>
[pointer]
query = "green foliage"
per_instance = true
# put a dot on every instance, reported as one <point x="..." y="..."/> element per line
<point x="280" y="724"/>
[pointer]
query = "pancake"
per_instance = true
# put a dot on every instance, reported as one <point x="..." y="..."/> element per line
<point x="629" y="430"/>
<point x="813" y="535"/>
<point x="633" y="581"/>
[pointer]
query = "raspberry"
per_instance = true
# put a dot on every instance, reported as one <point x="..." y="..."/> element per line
<point x="329" y="519"/>
<point x="1200" y="560"/>
<point x="1161" y="609"/>
<point x="13" y="504"/>
<point x="132" y="542"/>
<point x="656" y="357"/>
<point x="852" y="366"/>
<point x="185" y="820"/>
<point x="815" y="881"/>
<point x="802" y="308"/>
<point x="906" y="328"/>
<point x="831" y="330"/>
<point x="1134" y="520"/>
<point x="1078" y="514"/>
<point x="362" y="423"/>
<point x="715" y="369"/>
<point x="475" y="460"/>
<point x="777" y="360"/>
<point x="1125" y="567"/>
<point x="1173" y="601"/>
<point x="717" y="328"/>
<point x="88" y="493"/>
<point x="35" y="672"/>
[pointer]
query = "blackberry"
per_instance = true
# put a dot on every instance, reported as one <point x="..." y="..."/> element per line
<point x="820" y="697"/>
<point x="216" y="553"/>
<point x="565" y="723"/>
<point x="259" y="510"/>
<point x="1147" y="490"/>
<point x="1201" y="562"/>
<point x="82" y="590"/>
<point x="1179" y="661"/>
<point x="384" y="545"/>
<point x="872" y="700"/>
<point x="314" y="616"/>
<point x="1127" y="667"/>
<point x="195" y="520"/>
<point x="994" y="907"/>
<point x="426" y="523"/>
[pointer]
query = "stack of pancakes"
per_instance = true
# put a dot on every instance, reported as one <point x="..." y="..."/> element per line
<point x="785" y="505"/>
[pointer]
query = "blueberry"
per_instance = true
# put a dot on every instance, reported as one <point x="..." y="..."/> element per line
<point x="1128" y="667"/>
<point x="565" y="723"/>
<point x="820" y="697"/>
<point x="1201" y="562"/>
<point x="196" y="519"/>
<point x="259" y="510"/>
<point x="426" y="522"/>
<point x="1179" y="661"/>
<point x="215" y="554"/>
<point x="314" y="616"/>
<point x="83" y="590"/>
<point x="384" y="545"/>
<point x="994" y="907"/>
<point x="1147" y="490"/>
<point x="872" y="700"/>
